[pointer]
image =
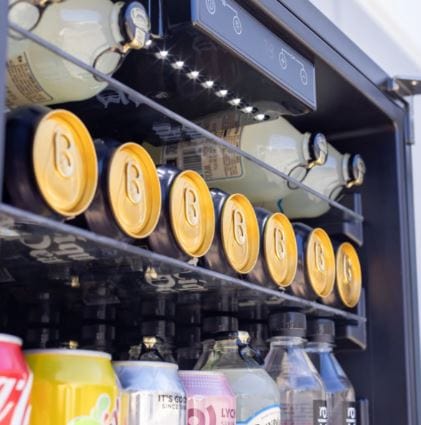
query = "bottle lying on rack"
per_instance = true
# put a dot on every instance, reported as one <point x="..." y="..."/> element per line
<point x="303" y="398"/>
<point x="340" y="172"/>
<point x="97" y="32"/>
<point x="257" y="394"/>
<point x="275" y="142"/>
<point x="340" y="394"/>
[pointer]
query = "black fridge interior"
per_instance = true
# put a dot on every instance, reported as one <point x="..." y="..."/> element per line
<point x="254" y="60"/>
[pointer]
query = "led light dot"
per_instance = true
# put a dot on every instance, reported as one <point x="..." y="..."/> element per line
<point x="178" y="65"/>
<point x="162" y="54"/>
<point x="208" y="84"/>
<point x="260" y="117"/>
<point x="235" y="102"/>
<point x="193" y="75"/>
<point x="148" y="43"/>
<point x="248" y="109"/>
<point x="221" y="93"/>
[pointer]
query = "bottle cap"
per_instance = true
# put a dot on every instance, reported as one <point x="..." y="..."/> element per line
<point x="320" y="262"/>
<point x="280" y="249"/>
<point x="318" y="149"/>
<point x="356" y="170"/>
<point x="348" y="274"/>
<point x="134" y="190"/>
<point x="240" y="233"/>
<point x="288" y="323"/>
<point x="191" y="213"/>
<point x="321" y="330"/>
<point x="65" y="163"/>
<point x="135" y="25"/>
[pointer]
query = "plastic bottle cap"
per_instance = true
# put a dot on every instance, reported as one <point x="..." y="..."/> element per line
<point x="288" y="323"/>
<point x="136" y="25"/>
<point x="134" y="190"/>
<point x="318" y="149"/>
<point x="348" y="274"/>
<point x="321" y="330"/>
<point x="320" y="262"/>
<point x="65" y="163"/>
<point x="240" y="233"/>
<point x="191" y="213"/>
<point x="356" y="170"/>
<point x="280" y="249"/>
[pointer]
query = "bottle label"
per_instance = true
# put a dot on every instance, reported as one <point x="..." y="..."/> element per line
<point x="154" y="408"/>
<point x="349" y="413"/>
<point x="270" y="415"/>
<point x="311" y="413"/>
<point x="22" y="85"/>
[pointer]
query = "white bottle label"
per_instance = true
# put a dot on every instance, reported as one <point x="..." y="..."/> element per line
<point x="270" y="415"/>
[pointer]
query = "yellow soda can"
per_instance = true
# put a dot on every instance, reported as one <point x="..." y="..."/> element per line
<point x="73" y="387"/>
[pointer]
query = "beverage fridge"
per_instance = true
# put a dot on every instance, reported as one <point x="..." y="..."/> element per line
<point x="146" y="147"/>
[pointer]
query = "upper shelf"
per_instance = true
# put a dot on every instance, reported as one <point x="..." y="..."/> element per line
<point x="198" y="140"/>
<point x="38" y="253"/>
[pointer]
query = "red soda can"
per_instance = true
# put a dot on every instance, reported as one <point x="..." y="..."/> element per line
<point x="15" y="382"/>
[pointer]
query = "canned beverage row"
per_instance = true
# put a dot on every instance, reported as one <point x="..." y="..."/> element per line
<point x="54" y="168"/>
<point x="299" y="382"/>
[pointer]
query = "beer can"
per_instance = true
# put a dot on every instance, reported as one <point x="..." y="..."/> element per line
<point x="152" y="393"/>
<point x="127" y="203"/>
<point x="235" y="248"/>
<point x="348" y="283"/>
<point x="73" y="387"/>
<point x="186" y="224"/>
<point x="315" y="275"/>
<point x="15" y="382"/>
<point x="210" y="399"/>
<point x="51" y="164"/>
<point x="277" y="261"/>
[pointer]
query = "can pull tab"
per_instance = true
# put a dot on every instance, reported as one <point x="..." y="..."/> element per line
<point x="280" y="243"/>
<point x="134" y="182"/>
<point x="239" y="222"/>
<point x="191" y="206"/>
<point x="64" y="153"/>
<point x="347" y="269"/>
<point x="319" y="257"/>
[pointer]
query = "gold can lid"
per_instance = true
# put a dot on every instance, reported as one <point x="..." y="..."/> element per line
<point x="134" y="190"/>
<point x="191" y="213"/>
<point x="348" y="274"/>
<point x="280" y="249"/>
<point x="240" y="233"/>
<point x="320" y="262"/>
<point x="65" y="163"/>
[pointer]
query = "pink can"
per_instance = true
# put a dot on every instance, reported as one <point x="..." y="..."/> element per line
<point x="210" y="400"/>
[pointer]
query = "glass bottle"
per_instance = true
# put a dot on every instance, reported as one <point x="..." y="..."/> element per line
<point x="98" y="32"/>
<point x="303" y="397"/>
<point x="340" y="393"/>
<point x="256" y="393"/>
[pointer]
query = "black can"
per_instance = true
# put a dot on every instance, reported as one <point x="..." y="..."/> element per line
<point x="277" y="261"/>
<point x="51" y="164"/>
<point x="235" y="248"/>
<point x="315" y="275"/>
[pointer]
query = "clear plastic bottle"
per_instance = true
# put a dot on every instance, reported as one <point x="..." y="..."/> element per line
<point x="341" y="171"/>
<point x="340" y="393"/>
<point x="256" y="393"/>
<point x="97" y="32"/>
<point x="303" y="397"/>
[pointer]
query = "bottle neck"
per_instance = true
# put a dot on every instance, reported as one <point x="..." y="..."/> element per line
<point x="319" y="347"/>
<point x="287" y="341"/>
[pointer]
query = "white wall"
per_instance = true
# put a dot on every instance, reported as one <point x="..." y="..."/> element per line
<point x="389" y="31"/>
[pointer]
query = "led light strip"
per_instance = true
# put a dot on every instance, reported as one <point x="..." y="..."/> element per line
<point x="208" y="84"/>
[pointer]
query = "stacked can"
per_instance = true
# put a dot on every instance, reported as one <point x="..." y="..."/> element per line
<point x="72" y="387"/>
<point x="152" y="393"/>
<point x="210" y="399"/>
<point x="16" y="382"/>
<point x="51" y="165"/>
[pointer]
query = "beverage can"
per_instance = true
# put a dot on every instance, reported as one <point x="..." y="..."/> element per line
<point x="186" y="225"/>
<point x="235" y="248"/>
<point x="51" y="164"/>
<point x="73" y="387"/>
<point x="210" y="399"/>
<point x="152" y="393"/>
<point x="127" y="203"/>
<point x="15" y="383"/>
<point x="348" y="284"/>
<point x="277" y="261"/>
<point x="316" y="269"/>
